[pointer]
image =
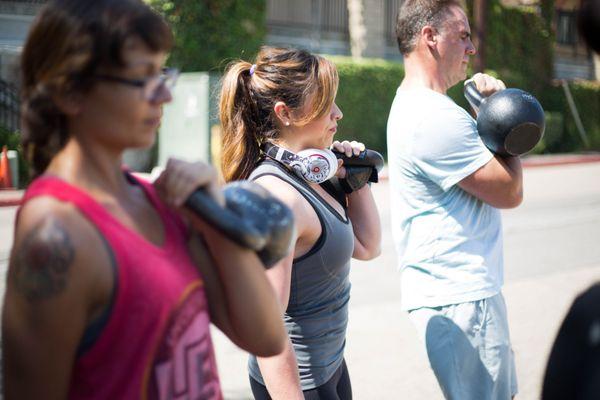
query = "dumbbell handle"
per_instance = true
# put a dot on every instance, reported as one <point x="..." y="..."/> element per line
<point x="225" y="221"/>
<point x="473" y="96"/>
<point x="366" y="158"/>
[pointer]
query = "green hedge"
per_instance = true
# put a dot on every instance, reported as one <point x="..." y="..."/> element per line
<point x="367" y="89"/>
<point x="586" y="96"/>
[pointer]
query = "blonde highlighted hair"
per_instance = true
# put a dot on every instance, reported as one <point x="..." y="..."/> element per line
<point x="249" y="94"/>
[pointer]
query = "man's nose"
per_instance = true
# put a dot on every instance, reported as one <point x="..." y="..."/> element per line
<point x="471" y="50"/>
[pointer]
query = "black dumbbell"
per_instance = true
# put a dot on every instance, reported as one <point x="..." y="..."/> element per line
<point x="252" y="217"/>
<point x="510" y="122"/>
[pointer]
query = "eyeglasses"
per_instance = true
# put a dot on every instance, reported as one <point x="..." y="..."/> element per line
<point x="150" y="86"/>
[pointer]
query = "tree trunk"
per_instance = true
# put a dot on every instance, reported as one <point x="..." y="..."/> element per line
<point x="480" y="22"/>
<point x="357" y="28"/>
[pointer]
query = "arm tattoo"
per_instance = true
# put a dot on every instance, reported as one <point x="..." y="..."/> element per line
<point x="43" y="260"/>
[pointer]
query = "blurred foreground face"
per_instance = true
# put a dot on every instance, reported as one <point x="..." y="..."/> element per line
<point x="124" y="107"/>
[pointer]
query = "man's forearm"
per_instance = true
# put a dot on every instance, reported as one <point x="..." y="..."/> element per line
<point x="515" y="169"/>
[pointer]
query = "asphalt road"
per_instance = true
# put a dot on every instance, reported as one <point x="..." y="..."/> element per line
<point x="552" y="252"/>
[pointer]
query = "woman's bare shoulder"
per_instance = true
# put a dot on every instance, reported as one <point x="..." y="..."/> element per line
<point x="54" y="247"/>
<point x="281" y="189"/>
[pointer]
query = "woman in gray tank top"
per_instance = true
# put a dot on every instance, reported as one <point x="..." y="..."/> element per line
<point x="286" y="102"/>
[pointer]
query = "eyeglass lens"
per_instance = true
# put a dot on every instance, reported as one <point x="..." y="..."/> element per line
<point x="165" y="80"/>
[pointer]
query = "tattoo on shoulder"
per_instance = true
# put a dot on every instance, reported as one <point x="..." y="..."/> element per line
<point x="43" y="260"/>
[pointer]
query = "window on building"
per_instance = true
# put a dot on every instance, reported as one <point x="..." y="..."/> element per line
<point x="566" y="27"/>
<point x="334" y="15"/>
<point x="323" y="15"/>
<point x="286" y="12"/>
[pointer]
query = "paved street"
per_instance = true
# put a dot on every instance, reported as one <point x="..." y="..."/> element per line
<point x="552" y="252"/>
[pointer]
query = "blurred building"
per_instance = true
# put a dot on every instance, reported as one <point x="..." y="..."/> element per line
<point x="331" y="26"/>
<point x="15" y="19"/>
<point x="361" y="28"/>
<point x="572" y="58"/>
<point x="365" y="28"/>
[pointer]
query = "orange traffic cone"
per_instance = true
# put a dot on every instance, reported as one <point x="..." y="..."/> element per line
<point x="5" y="174"/>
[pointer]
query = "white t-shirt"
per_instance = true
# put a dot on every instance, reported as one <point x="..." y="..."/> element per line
<point x="449" y="242"/>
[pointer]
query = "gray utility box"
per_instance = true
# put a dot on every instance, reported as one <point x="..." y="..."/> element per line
<point x="185" y="132"/>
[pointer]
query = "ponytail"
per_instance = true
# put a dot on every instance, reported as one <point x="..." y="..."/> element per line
<point x="44" y="131"/>
<point x="240" y="118"/>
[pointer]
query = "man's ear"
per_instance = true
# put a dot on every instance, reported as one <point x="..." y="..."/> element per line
<point x="282" y="112"/>
<point x="69" y="103"/>
<point x="429" y="35"/>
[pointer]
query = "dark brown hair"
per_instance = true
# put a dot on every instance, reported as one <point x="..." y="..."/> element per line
<point x="67" y="43"/>
<point x="413" y="15"/>
<point x="247" y="101"/>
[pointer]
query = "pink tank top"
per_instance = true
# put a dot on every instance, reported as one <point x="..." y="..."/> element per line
<point x="156" y="343"/>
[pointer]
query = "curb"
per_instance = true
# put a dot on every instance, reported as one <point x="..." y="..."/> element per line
<point x="12" y="198"/>
<point x="553" y="160"/>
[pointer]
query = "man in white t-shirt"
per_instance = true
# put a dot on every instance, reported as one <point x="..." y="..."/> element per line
<point x="446" y="188"/>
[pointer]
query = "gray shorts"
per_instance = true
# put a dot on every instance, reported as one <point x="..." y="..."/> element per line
<point x="468" y="347"/>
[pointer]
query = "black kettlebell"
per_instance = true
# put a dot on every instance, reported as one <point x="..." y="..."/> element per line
<point x="252" y="217"/>
<point x="510" y="122"/>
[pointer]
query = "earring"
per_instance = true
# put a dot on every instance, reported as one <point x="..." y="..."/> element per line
<point x="287" y="123"/>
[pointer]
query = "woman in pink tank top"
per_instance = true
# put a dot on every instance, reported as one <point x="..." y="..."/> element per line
<point x="109" y="294"/>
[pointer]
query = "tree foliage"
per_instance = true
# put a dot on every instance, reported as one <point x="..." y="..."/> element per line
<point x="208" y="33"/>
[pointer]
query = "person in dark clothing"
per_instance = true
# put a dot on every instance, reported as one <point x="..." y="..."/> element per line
<point x="573" y="370"/>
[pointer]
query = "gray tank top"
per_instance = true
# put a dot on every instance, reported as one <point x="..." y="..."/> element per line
<point x="317" y="312"/>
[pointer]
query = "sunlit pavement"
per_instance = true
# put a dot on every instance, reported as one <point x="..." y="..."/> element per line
<point x="552" y="253"/>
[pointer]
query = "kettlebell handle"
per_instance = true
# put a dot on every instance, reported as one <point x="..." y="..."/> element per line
<point x="510" y="122"/>
<point x="366" y="158"/>
<point x="225" y="221"/>
<point x="473" y="96"/>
